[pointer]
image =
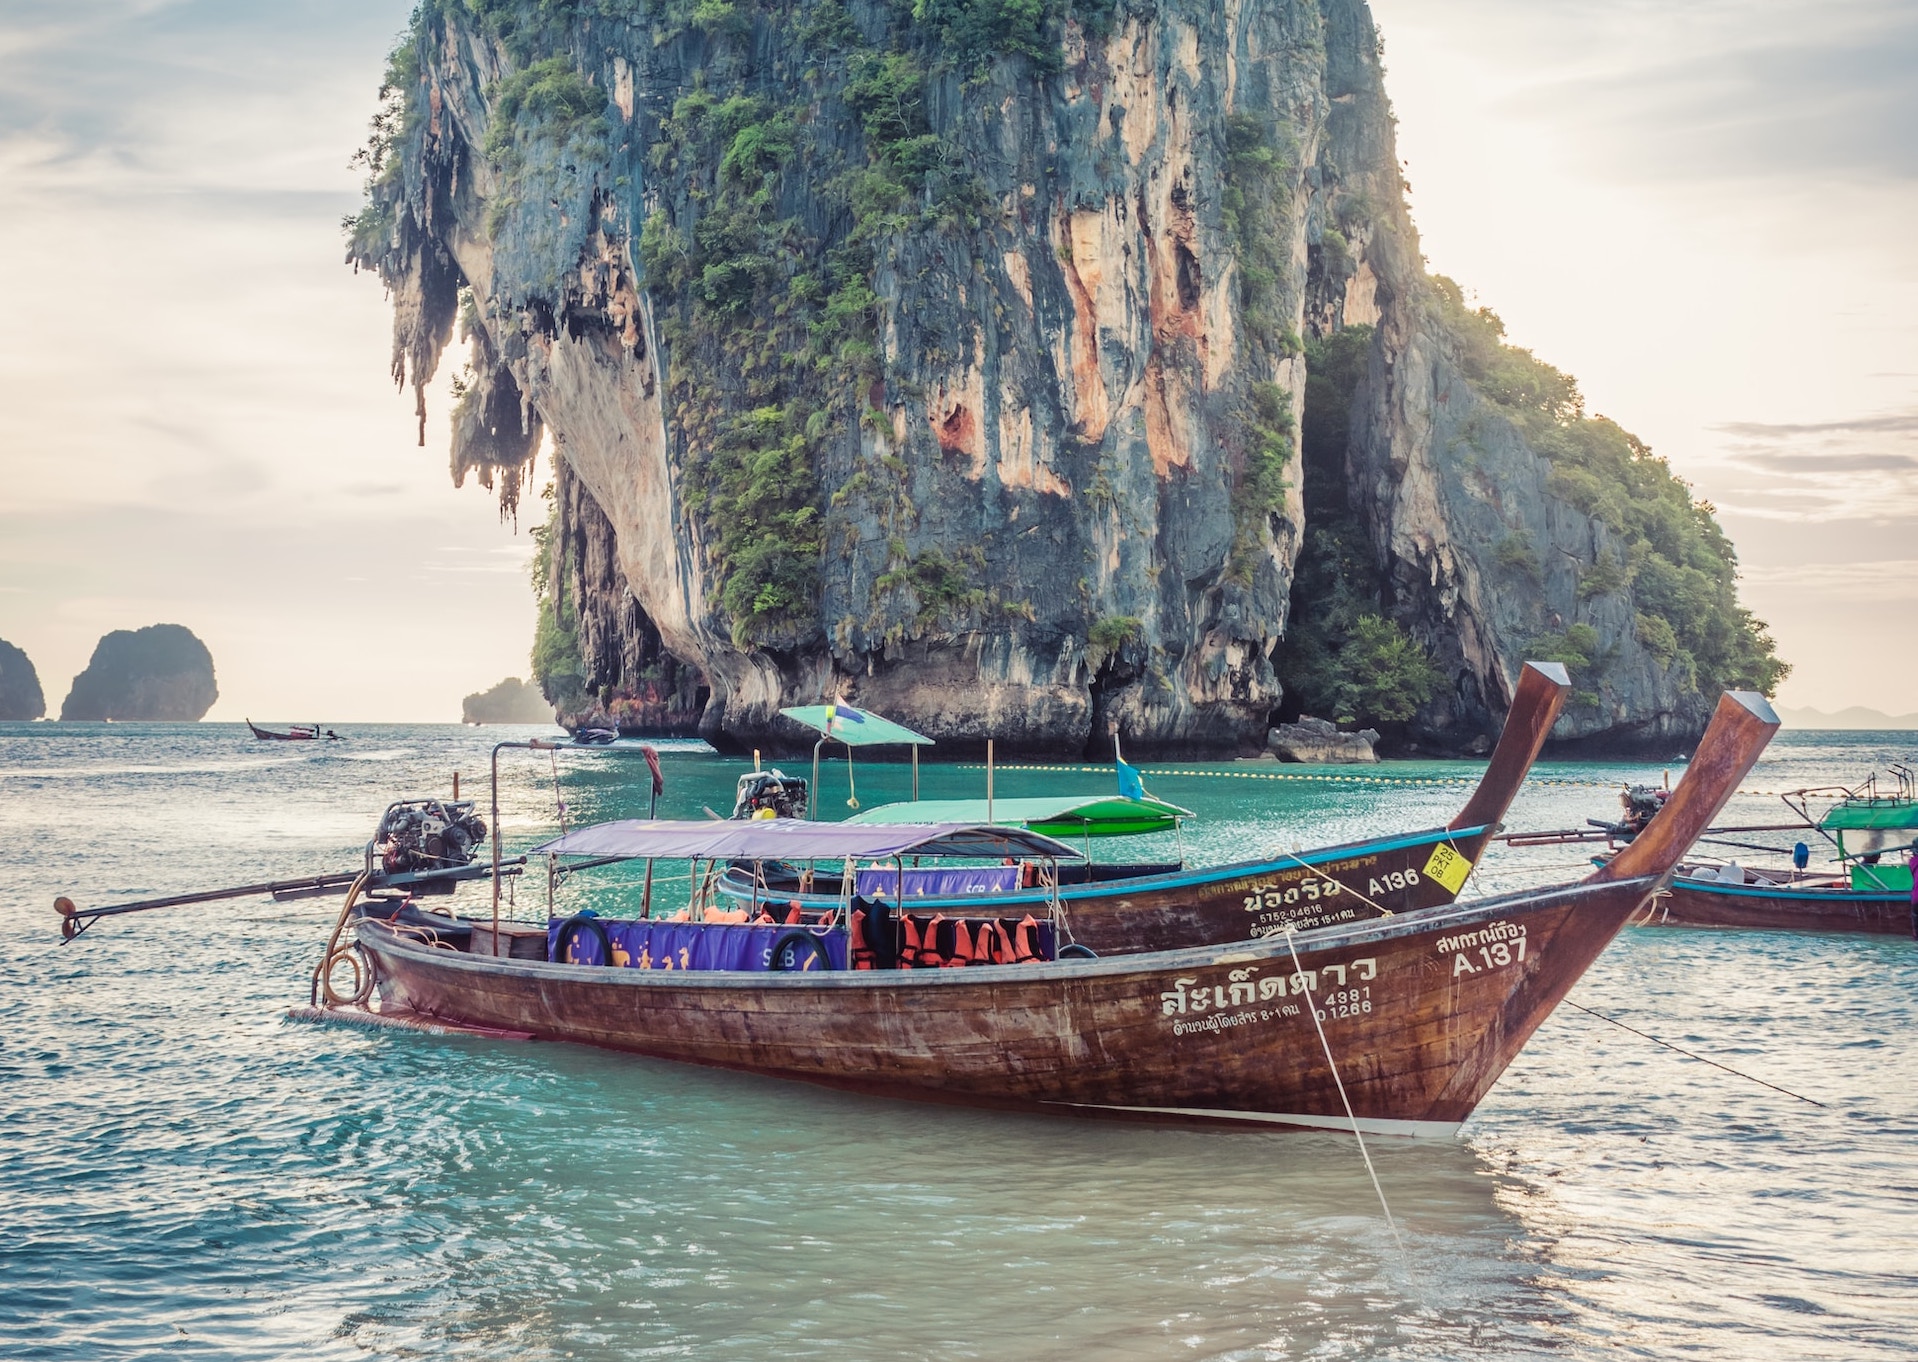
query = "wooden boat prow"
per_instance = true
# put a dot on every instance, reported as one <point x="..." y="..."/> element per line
<point x="1542" y="689"/>
<point x="1422" y="1011"/>
<point x="1744" y="720"/>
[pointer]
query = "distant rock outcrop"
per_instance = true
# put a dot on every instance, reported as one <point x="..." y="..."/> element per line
<point x="1317" y="741"/>
<point x="20" y="694"/>
<point x="512" y="701"/>
<point x="159" y="672"/>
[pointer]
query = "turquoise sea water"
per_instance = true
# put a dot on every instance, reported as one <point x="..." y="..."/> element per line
<point x="183" y="1172"/>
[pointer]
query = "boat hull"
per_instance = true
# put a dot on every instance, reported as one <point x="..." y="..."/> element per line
<point x="1702" y="903"/>
<point x="1245" y="902"/>
<point x="1422" y="1014"/>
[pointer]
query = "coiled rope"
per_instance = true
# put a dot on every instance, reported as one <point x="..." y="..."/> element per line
<point x="347" y="952"/>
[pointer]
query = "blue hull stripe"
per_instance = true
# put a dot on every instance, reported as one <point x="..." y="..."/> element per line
<point x="1185" y="879"/>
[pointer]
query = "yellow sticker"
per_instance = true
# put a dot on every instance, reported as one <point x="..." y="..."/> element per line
<point x="1447" y="867"/>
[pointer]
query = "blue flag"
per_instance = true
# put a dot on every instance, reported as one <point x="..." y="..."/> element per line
<point x="1130" y="785"/>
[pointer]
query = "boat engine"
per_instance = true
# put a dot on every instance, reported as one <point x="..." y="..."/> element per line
<point x="770" y="794"/>
<point x="428" y="834"/>
<point x="1641" y="803"/>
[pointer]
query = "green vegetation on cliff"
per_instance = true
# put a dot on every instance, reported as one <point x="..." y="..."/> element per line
<point x="1679" y="564"/>
<point x="558" y="669"/>
<point x="761" y="253"/>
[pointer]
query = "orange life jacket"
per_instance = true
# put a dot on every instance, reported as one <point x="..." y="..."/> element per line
<point x="961" y="945"/>
<point x="861" y="952"/>
<point x="1025" y="948"/>
<point x="792" y="914"/>
<point x="930" y="956"/>
<point x="909" y="950"/>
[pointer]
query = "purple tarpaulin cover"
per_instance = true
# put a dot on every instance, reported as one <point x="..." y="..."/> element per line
<point x="792" y="839"/>
<point x="883" y="882"/>
<point x="663" y="944"/>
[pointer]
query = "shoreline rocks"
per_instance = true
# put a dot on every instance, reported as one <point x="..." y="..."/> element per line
<point x="1317" y="742"/>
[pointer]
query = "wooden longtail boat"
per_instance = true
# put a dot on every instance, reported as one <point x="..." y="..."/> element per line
<point x="1420" y="1012"/>
<point x="1113" y="908"/>
<point x="297" y="733"/>
<point x="1793" y="901"/>
<point x="1865" y="895"/>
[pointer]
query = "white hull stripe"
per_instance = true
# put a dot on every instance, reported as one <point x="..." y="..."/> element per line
<point x="1368" y="1125"/>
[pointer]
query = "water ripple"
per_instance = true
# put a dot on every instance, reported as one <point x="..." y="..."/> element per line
<point x="187" y="1172"/>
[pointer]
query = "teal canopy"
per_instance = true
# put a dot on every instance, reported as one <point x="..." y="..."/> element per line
<point x="1052" y="815"/>
<point x="854" y="727"/>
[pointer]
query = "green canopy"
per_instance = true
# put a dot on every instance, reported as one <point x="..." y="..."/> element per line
<point x="1862" y="814"/>
<point x="854" y="727"/>
<point x="1052" y="815"/>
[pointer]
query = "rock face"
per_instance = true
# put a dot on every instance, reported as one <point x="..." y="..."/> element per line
<point x="966" y="387"/>
<point x="160" y="672"/>
<point x="511" y="701"/>
<point x="20" y="694"/>
<point x="1317" y="741"/>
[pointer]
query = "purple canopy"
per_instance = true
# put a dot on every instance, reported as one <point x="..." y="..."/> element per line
<point x="791" y="839"/>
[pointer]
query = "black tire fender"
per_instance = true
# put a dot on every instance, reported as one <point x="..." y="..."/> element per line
<point x="571" y="928"/>
<point x="792" y="950"/>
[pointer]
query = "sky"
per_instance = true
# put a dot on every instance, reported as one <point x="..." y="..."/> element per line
<point x="1699" y="210"/>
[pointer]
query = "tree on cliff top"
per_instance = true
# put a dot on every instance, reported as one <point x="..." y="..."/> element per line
<point x="161" y="672"/>
<point x="1681" y="566"/>
<point x="20" y="695"/>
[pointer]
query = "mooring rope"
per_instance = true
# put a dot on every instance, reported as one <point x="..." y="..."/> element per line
<point x="1312" y="1007"/>
<point x="1343" y="887"/>
<point x="1689" y="1055"/>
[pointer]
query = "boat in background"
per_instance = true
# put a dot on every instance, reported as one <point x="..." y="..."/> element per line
<point x="1864" y="894"/>
<point x="1397" y="1025"/>
<point x="1165" y="907"/>
<point x="295" y="733"/>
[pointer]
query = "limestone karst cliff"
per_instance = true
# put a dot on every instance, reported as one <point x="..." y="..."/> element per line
<point x="952" y="357"/>
<point x="20" y="693"/>
<point x="509" y="701"/>
<point x="161" y="672"/>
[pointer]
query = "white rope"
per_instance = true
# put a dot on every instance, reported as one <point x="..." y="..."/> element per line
<point x="1311" y="1006"/>
<point x="1340" y="884"/>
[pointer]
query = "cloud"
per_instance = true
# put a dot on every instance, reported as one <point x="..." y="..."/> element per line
<point x="1849" y="468"/>
<point x="1896" y="423"/>
<point x="1707" y="91"/>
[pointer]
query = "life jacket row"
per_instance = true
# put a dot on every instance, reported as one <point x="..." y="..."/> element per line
<point x="769" y="914"/>
<point x="882" y="939"/>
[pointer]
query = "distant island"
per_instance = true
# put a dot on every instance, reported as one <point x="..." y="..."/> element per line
<point x="1854" y="717"/>
<point x="20" y="695"/>
<point x="512" y="701"/>
<point x="160" y="672"/>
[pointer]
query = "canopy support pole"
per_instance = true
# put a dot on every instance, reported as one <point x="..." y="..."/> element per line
<point x="988" y="780"/>
<point x="915" y="773"/>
